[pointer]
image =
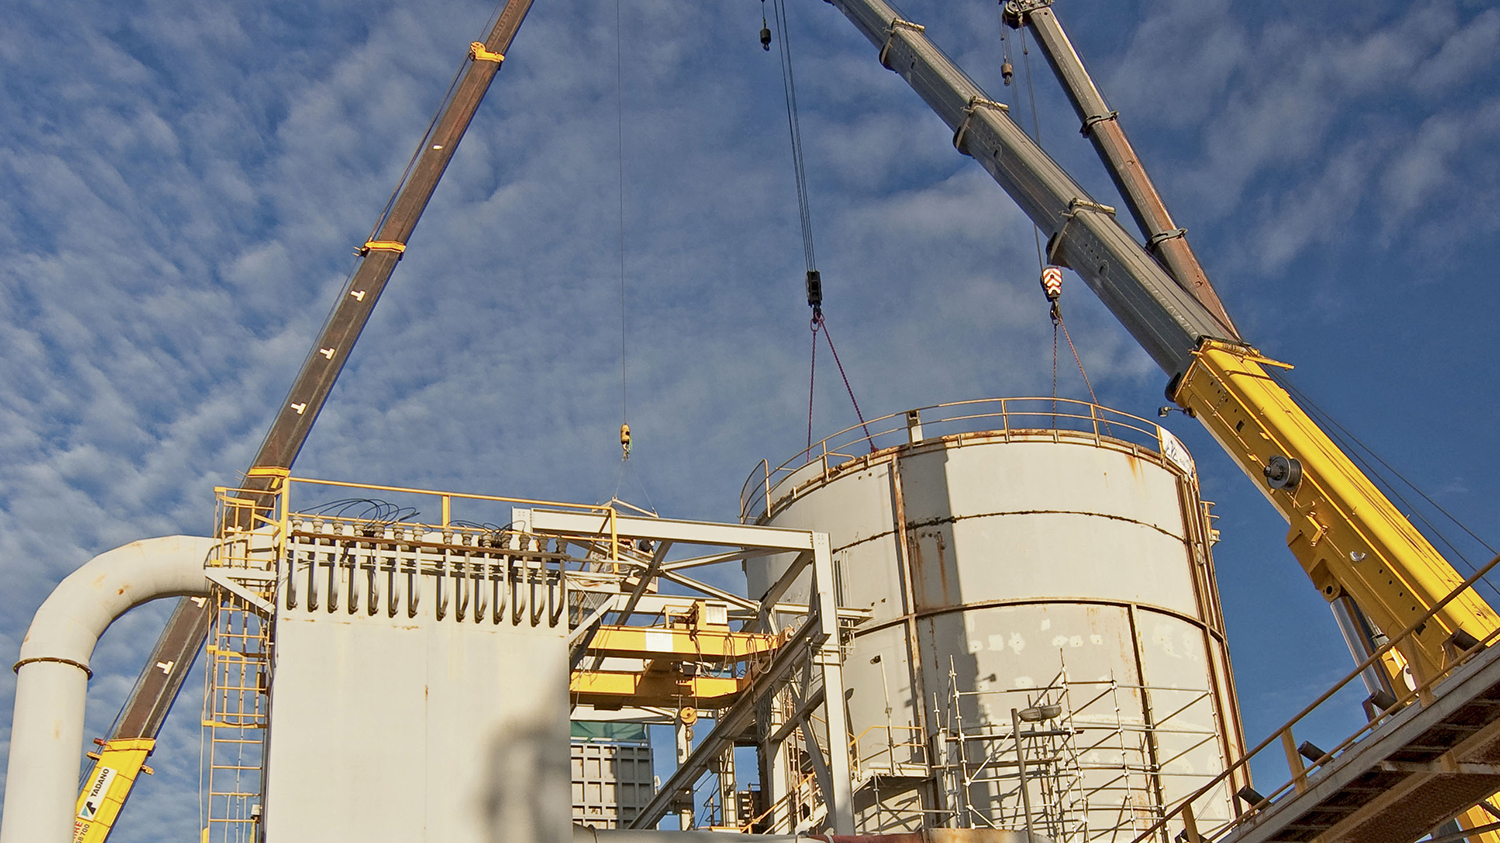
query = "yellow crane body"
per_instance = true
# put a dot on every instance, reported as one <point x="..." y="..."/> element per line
<point x="1346" y="534"/>
<point x="116" y="767"/>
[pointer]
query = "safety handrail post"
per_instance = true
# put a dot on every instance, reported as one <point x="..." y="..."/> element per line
<point x="766" y="498"/>
<point x="1294" y="760"/>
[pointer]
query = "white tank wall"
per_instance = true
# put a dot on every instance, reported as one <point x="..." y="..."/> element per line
<point x="1012" y="559"/>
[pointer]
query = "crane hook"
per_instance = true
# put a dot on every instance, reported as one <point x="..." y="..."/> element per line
<point x="1006" y="72"/>
<point x="1052" y="278"/>
<point x="765" y="36"/>
<point x="1052" y="282"/>
<point x="625" y="441"/>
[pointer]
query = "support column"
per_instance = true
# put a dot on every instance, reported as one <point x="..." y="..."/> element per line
<point x="830" y="662"/>
<point x="684" y="732"/>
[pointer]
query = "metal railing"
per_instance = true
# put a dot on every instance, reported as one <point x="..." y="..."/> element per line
<point x="1303" y="772"/>
<point x="884" y="757"/>
<point x="1054" y="419"/>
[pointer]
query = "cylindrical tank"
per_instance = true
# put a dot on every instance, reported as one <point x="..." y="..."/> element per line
<point x="1015" y="555"/>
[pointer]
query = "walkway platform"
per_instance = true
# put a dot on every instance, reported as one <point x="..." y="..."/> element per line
<point x="1413" y="772"/>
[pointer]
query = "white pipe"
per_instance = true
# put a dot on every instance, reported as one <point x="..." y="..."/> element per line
<point x="52" y="674"/>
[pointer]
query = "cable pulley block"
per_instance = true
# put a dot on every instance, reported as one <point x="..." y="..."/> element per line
<point x="1052" y="278"/>
<point x="815" y="291"/>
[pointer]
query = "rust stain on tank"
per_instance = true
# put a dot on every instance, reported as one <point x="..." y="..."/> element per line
<point x="944" y="598"/>
<point x="943" y="568"/>
<point x="921" y="576"/>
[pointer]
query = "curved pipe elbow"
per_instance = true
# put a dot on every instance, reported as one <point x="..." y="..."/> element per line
<point x="51" y="676"/>
<point x="70" y="621"/>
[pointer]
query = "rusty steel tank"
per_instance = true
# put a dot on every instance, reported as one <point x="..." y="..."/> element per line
<point x="1043" y="645"/>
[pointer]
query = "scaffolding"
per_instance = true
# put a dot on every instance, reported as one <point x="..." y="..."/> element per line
<point x="1074" y="761"/>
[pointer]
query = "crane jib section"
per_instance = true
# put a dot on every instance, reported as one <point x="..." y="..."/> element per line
<point x="1346" y="534"/>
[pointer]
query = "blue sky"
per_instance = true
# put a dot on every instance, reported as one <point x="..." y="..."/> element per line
<point x="181" y="184"/>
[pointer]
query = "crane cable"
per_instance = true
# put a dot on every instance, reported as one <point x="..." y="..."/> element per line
<point x="794" y="128"/>
<point x="804" y="212"/>
<point x="1051" y="276"/>
<point x="626" y="443"/>
<point x="625" y="440"/>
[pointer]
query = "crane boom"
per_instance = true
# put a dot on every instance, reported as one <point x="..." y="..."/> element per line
<point x="1165" y="240"/>
<point x="1346" y="535"/>
<point x="133" y="737"/>
<point x="1164" y="318"/>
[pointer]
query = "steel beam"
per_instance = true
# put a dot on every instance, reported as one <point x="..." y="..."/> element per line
<point x="652" y="688"/>
<point x="733" y="722"/>
<point x="698" y="644"/>
<point x="666" y="529"/>
<point x="840" y="797"/>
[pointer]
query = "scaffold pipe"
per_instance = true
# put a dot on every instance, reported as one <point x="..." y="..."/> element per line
<point x="53" y="672"/>
<point x="583" y="834"/>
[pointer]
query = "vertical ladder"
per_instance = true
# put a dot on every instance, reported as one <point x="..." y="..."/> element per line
<point x="235" y="715"/>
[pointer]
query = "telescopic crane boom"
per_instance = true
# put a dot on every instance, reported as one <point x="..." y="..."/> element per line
<point x="1101" y="125"/>
<point x="123" y="756"/>
<point x="1348" y="537"/>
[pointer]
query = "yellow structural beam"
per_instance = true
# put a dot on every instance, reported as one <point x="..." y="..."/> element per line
<point x="700" y="644"/>
<point x="1346" y="534"/>
<point x="116" y="767"/>
<point x="613" y="689"/>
